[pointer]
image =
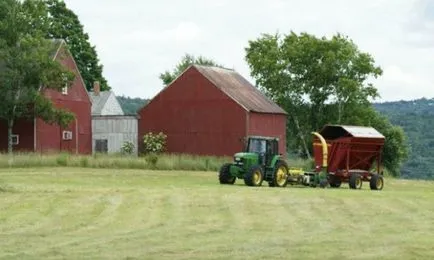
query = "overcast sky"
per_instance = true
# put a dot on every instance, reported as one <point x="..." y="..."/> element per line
<point x="136" y="40"/>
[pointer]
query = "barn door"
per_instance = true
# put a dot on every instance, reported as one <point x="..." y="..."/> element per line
<point x="101" y="146"/>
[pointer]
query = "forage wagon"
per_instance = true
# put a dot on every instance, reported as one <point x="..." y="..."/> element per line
<point x="342" y="154"/>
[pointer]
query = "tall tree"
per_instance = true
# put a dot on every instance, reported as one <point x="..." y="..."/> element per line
<point x="26" y="66"/>
<point x="168" y="76"/>
<point x="317" y="80"/>
<point x="64" y="24"/>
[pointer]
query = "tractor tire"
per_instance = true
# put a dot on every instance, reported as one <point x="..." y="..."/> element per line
<point x="225" y="175"/>
<point x="280" y="175"/>
<point x="376" y="182"/>
<point x="335" y="182"/>
<point x="355" y="181"/>
<point x="254" y="176"/>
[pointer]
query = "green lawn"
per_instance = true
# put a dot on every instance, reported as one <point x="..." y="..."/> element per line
<point x="75" y="213"/>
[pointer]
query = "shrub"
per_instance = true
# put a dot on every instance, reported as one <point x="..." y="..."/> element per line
<point x="154" y="143"/>
<point x="62" y="159"/>
<point x="127" y="148"/>
<point x="151" y="160"/>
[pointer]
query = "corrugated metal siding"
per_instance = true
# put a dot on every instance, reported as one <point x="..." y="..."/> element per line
<point x="238" y="88"/>
<point x="197" y="117"/>
<point x="269" y="125"/>
<point x="116" y="130"/>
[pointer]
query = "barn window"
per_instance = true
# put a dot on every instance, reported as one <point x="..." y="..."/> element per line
<point x="101" y="146"/>
<point x="15" y="139"/>
<point x="65" y="90"/>
<point x="67" y="135"/>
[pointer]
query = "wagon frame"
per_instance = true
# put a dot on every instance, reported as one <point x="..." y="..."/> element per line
<point x="349" y="154"/>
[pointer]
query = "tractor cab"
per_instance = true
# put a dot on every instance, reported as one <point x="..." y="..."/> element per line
<point x="260" y="160"/>
<point x="264" y="147"/>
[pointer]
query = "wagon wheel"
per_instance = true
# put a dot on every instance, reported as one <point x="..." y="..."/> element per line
<point x="355" y="181"/>
<point x="254" y="176"/>
<point x="376" y="182"/>
<point x="225" y="176"/>
<point x="335" y="182"/>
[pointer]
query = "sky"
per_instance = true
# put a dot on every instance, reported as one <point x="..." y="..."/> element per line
<point x="137" y="40"/>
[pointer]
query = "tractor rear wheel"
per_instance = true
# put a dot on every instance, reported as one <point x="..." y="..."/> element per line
<point x="355" y="181"/>
<point x="280" y="175"/>
<point x="225" y="176"/>
<point x="254" y="176"/>
<point x="376" y="182"/>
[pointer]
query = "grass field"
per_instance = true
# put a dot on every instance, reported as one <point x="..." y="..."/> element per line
<point x="83" y="213"/>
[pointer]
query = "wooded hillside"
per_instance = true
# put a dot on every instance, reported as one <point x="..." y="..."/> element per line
<point x="416" y="117"/>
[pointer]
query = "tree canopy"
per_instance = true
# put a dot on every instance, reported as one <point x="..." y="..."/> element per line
<point x="319" y="81"/>
<point x="56" y="21"/>
<point x="168" y="76"/>
<point x="26" y="66"/>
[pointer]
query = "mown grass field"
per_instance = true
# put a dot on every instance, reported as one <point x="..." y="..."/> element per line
<point x="84" y="213"/>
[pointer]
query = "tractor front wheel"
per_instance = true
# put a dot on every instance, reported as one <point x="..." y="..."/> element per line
<point x="376" y="182"/>
<point x="280" y="175"/>
<point x="225" y="176"/>
<point x="355" y="181"/>
<point x="254" y="176"/>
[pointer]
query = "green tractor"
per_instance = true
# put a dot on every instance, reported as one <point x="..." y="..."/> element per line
<point x="259" y="162"/>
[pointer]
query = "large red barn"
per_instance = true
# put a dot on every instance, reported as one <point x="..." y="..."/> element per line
<point x="35" y="135"/>
<point x="208" y="111"/>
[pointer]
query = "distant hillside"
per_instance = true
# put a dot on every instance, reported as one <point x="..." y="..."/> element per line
<point x="417" y="119"/>
<point x="131" y="105"/>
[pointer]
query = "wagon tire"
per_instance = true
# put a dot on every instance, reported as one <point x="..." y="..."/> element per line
<point x="225" y="176"/>
<point x="355" y="181"/>
<point x="280" y="175"/>
<point x="335" y="182"/>
<point x="376" y="182"/>
<point x="254" y="176"/>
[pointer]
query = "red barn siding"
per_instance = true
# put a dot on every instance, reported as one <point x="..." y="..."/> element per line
<point x="197" y="117"/>
<point x="77" y="101"/>
<point x="269" y="125"/>
<point x="23" y="128"/>
<point x="49" y="137"/>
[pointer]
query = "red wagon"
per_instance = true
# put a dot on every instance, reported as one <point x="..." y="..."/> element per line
<point x="350" y="154"/>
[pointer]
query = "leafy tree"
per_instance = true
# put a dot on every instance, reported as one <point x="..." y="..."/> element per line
<point x="167" y="77"/>
<point x="130" y="106"/>
<point x="63" y="23"/>
<point x="26" y="65"/>
<point x="318" y="81"/>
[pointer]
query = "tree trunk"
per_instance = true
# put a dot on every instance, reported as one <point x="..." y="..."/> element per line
<point x="301" y="136"/>
<point x="10" y="144"/>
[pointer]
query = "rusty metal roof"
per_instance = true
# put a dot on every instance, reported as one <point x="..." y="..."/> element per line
<point x="239" y="89"/>
<point x="354" y="131"/>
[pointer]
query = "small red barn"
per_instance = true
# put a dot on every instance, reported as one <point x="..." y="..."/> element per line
<point x="35" y="135"/>
<point x="208" y="111"/>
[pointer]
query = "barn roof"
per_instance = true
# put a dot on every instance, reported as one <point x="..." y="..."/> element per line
<point x="335" y="131"/>
<point x="239" y="89"/>
<point x="100" y="101"/>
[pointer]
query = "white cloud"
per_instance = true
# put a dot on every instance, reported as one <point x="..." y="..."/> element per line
<point x="139" y="40"/>
<point x="187" y="32"/>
